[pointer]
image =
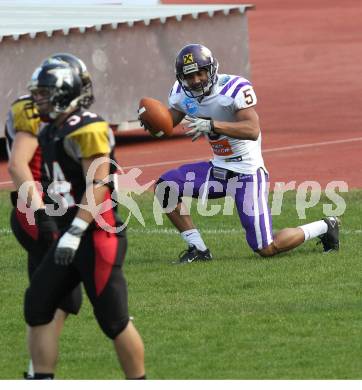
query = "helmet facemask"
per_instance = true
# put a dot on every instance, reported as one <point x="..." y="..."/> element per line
<point x="61" y="88"/>
<point x="194" y="58"/>
<point x="87" y="97"/>
<point x="205" y="87"/>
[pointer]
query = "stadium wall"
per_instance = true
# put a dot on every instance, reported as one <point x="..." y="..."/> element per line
<point x="126" y="62"/>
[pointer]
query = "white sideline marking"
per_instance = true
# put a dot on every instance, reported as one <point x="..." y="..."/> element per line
<point x="170" y="162"/>
<point x="7" y="231"/>
<point x="270" y="150"/>
<point x="210" y="231"/>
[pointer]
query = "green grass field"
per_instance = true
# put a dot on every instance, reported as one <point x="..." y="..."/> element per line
<point x="296" y="316"/>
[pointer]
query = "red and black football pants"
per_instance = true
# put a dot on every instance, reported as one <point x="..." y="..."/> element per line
<point x="98" y="265"/>
<point x="27" y="236"/>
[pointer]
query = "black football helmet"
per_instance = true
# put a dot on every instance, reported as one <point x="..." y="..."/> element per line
<point x="63" y="84"/>
<point x="192" y="58"/>
<point x="80" y="68"/>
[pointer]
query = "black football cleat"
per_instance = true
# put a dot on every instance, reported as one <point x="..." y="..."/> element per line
<point x="192" y="254"/>
<point x="330" y="240"/>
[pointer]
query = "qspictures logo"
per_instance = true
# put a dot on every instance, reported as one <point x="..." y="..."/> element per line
<point x="124" y="186"/>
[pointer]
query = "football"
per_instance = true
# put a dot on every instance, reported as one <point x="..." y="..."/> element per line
<point x="156" y="117"/>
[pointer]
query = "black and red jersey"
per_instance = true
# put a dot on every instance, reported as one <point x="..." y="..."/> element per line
<point x="82" y="135"/>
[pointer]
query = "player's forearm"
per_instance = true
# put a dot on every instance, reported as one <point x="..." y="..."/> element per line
<point x="177" y="116"/>
<point x="20" y="173"/>
<point x="245" y="130"/>
<point x="91" y="207"/>
<point x="91" y="200"/>
<point x="25" y="184"/>
<point x="95" y="191"/>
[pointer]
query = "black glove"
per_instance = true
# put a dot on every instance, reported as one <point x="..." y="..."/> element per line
<point x="47" y="228"/>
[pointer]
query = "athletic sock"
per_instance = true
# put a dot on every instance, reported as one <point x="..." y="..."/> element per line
<point x="30" y="369"/>
<point x="314" y="229"/>
<point x="193" y="237"/>
<point x="38" y="375"/>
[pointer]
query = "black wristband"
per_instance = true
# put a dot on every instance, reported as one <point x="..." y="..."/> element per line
<point x="76" y="231"/>
<point x="212" y="127"/>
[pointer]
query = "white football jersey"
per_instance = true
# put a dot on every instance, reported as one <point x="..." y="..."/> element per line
<point x="229" y="94"/>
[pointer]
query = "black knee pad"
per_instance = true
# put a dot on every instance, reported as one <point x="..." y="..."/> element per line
<point x="35" y="312"/>
<point x="111" y="327"/>
<point x="111" y="306"/>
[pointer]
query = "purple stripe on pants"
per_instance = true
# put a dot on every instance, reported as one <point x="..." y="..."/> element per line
<point x="262" y="222"/>
<point x="244" y="200"/>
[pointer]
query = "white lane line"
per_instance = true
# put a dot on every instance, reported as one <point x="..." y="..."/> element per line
<point x="7" y="231"/>
<point x="302" y="146"/>
<point x="5" y="183"/>
<point x="212" y="231"/>
<point x="270" y="150"/>
<point x="166" y="163"/>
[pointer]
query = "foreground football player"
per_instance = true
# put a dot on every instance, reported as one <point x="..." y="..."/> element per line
<point x="74" y="142"/>
<point x="222" y="108"/>
<point x="21" y="130"/>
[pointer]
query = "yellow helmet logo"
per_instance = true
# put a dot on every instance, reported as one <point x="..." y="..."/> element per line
<point x="188" y="59"/>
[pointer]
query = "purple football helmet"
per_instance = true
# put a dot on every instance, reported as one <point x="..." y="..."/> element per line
<point x="192" y="58"/>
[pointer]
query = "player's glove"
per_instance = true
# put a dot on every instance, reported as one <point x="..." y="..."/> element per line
<point x="199" y="127"/>
<point x="69" y="242"/>
<point x="47" y="228"/>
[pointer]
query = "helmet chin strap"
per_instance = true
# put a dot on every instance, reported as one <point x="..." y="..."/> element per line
<point x="204" y="90"/>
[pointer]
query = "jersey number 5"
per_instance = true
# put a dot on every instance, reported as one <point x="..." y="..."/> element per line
<point x="249" y="100"/>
